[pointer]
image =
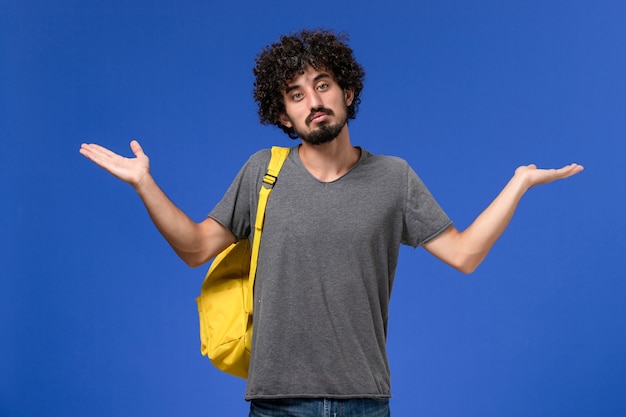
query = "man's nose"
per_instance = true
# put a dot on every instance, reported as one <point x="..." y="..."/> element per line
<point x="315" y="101"/>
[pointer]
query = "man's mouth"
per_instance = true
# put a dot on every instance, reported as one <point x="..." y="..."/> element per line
<point x="318" y="116"/>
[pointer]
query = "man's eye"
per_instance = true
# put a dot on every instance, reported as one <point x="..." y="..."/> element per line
<point x="323" y="86"/>
<point x="296" y="96"/>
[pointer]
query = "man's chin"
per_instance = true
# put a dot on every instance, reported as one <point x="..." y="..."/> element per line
<point x="325" y="134"/>
<point x="318" y="141"/>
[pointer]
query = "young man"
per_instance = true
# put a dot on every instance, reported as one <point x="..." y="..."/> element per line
<point x="334" y="224"/>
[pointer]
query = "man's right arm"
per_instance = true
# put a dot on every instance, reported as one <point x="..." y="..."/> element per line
<point x="195" y="243"/>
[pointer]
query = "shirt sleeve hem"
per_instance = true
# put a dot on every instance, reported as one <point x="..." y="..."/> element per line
<point x="436" y="234"/>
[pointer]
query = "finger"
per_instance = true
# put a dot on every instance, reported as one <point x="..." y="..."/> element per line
<point x="97" y="153"/>
<point x="86" y="147"/>
<point x="570" y="167"/>
<point x="90" y="150"/>
<point x="575" y="169"/>
<point x="94" y="148"/>
<point x="569" y="170"/>
<point x="136" y="148"/>
<point x="101" y="156"/>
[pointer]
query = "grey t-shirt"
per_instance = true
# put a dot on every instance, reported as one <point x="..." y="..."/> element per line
<point x="326" y="266"/>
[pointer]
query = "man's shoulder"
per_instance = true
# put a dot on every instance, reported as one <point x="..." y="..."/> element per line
<point x="386" y="161"/>
<point x="261" y="157"/>
<point x="256" y="162"/>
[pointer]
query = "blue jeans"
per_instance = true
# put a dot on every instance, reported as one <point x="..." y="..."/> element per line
<point x="297" y="407"/>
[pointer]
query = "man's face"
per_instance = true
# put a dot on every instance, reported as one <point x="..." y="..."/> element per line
<point x="316" y="106"/>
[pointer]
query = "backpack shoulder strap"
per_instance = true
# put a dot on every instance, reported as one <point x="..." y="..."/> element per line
<point x="279" y="155"/>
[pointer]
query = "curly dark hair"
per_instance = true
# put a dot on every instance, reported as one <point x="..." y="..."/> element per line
<point x="278" y="63"/>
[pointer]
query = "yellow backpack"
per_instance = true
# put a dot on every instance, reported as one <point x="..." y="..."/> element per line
<point x="225" y="302"/>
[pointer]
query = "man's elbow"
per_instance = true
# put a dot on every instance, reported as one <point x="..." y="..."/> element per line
<point x="192" y="263"/>
<point x="468" y="264"/>
<point x="192" y="260"/>
<point x="467" y="268"/>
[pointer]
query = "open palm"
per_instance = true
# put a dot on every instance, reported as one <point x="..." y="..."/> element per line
<point x="534" y="176"/>
<point x="130" y="170"/>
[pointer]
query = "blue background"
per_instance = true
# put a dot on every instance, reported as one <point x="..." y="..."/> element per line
<point x="97" y="314"/>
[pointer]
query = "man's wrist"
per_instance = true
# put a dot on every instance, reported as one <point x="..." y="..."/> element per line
<point x="521" y="179"/>
<point x="145" y="183"/>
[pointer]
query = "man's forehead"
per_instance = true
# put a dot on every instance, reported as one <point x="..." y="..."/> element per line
<point x="314" y="73"/>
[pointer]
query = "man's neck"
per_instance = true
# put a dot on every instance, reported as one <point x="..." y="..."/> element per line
<point x="330" y="161"/>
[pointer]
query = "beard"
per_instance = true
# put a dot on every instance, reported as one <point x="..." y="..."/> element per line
<point x="325" y="132"/>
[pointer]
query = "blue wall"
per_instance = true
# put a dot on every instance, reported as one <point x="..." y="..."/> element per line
<point x="97" y="314"/>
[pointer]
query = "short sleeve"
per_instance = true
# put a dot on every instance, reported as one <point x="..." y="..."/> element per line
<point x="424" y="219"/>
<point x="234" y="211"/>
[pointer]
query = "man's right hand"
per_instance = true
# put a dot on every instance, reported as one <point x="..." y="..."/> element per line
<point x="195" y="243"/>
<point x="130" y="170"/>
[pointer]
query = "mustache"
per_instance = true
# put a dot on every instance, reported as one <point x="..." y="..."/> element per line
<point x="317" y="111"/>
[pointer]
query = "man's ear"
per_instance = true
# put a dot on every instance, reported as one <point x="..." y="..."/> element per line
<point x="348" y="95"/>
<point x="285" y="120"/>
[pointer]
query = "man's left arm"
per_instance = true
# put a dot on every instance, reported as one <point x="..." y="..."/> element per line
<point x="466" y="250"/>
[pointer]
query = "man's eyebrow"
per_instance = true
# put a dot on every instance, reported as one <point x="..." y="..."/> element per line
<point x="316" y="79"/>
<point x="321" y="76"/>
<point x="291" y="88"/>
